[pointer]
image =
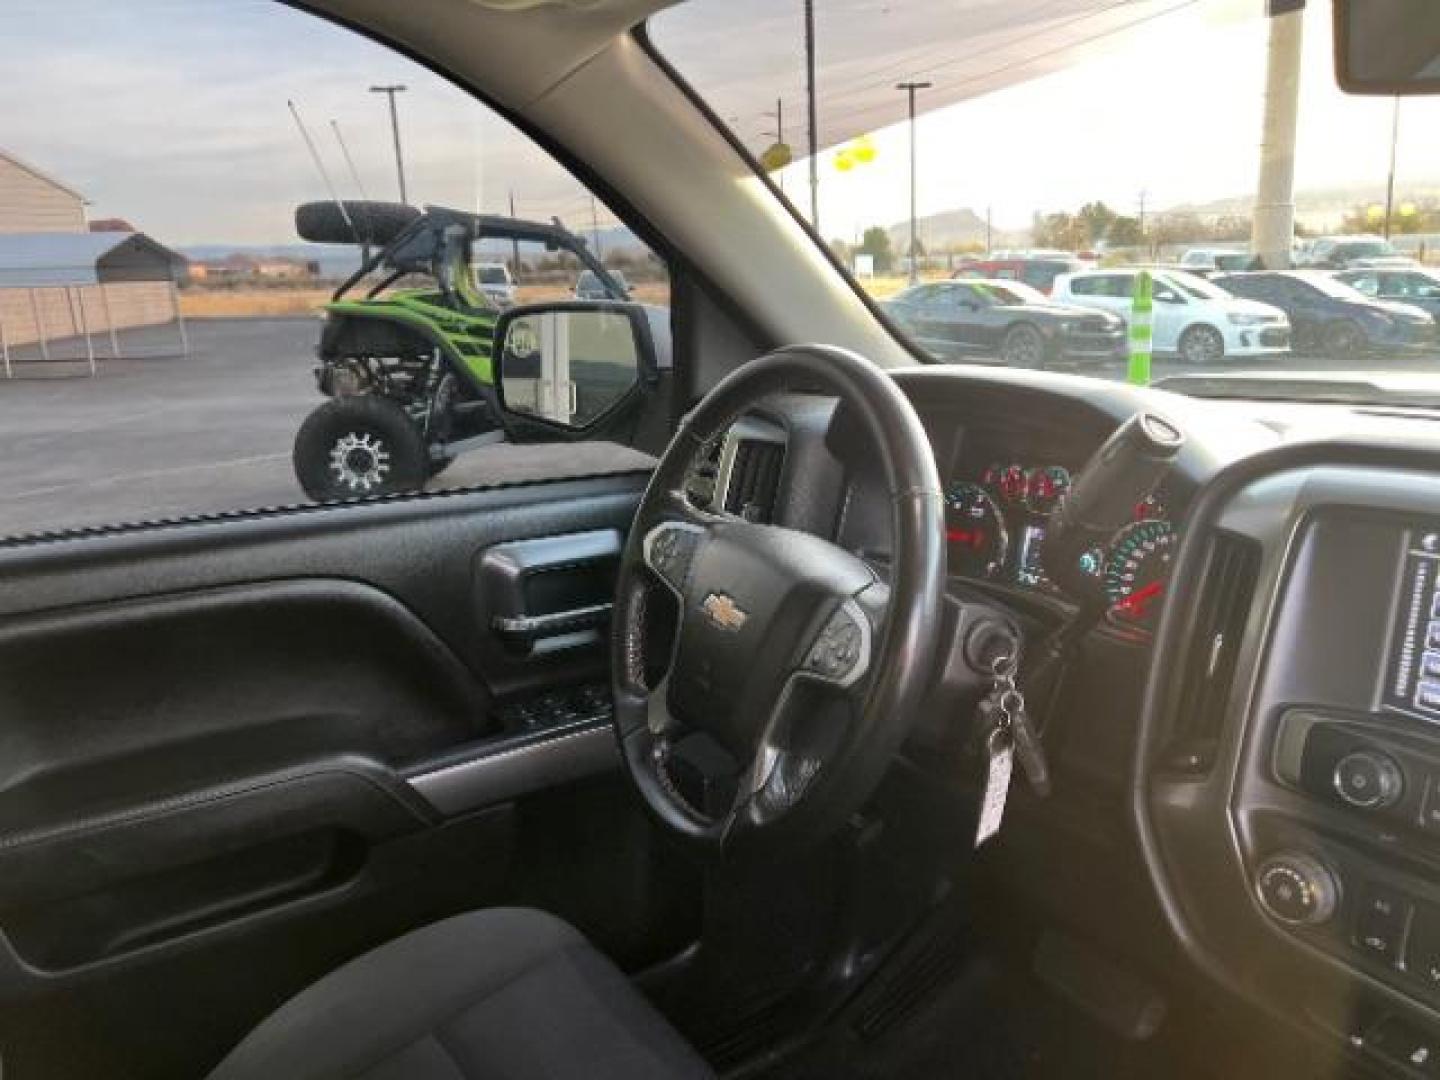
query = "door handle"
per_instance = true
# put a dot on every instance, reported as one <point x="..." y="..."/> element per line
<point x="525" y="630"/>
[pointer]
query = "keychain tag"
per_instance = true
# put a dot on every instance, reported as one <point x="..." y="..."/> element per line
<point x="1000" y="752"/>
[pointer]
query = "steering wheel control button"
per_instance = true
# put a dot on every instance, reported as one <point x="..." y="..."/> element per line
<point x="1368" y="780"/>
<point x="1380" y="922"/>
<point x="1296" y="889"/>
<point x="669" y="549"/>
<point x="840" y="647"/>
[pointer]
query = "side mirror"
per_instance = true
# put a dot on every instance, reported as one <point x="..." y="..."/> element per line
<point x="1389" y="47"/>
<point x="570" y="364"/>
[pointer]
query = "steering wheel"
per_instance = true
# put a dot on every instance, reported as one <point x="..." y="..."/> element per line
<point x="795" y="665"/>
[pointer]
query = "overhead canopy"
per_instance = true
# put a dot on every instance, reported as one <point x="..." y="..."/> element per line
<point x="58" y="260"/>
<point x="963" y="48"/>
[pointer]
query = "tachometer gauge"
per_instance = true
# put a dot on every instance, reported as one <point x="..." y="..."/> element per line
<point x="1137" y="570"/>
<point x="1012" y="483"/>
<point x="1045" y="487"/>
<point x="974" y="531"/>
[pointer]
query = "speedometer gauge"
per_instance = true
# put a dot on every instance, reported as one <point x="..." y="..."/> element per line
<point x="977" y="541"/>
<point x="1137" y="569"/>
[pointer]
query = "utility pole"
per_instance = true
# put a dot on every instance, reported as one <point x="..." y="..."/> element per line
<point x="595" y="230"/>
<point x="989" y="244"/>
<point x="390" y="91"/>
<point x="910" y="88"/>
<point x="810" y="107"/>
<point x="514" y="243"/>
<point x="1143" y="193"/>
<point x="1390" y="183"/>
<point x="1273" y="232"/>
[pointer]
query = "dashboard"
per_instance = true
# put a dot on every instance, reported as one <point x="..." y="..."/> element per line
<point x="1250" y="767"/>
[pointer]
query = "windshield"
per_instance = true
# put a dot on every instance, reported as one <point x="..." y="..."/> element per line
<point x="1332" y="287"/>
<point x="1012" y="292"/>
<point x="1001" y="141"/>
<point x="1196" y="287"/>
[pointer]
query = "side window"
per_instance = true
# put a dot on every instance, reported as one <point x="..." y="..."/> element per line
<point x="1370" y="284"/>
<point x="269" y="304"/>
<point x="1040" y="275"/>
<point x="1087" y="286"/>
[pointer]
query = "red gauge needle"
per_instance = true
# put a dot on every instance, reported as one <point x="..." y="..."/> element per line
<point x="1137" y="601"/>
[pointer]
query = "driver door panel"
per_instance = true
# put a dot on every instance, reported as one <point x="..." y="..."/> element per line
<point x="277" y="743"/>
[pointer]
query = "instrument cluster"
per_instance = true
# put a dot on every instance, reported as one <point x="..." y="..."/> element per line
<point x="995" y="527"/>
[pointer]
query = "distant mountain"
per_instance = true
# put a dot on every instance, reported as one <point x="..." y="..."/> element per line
<point x="948" y="228"/>
<point x="1320" y="209"/>
<point x="336" y="260"/>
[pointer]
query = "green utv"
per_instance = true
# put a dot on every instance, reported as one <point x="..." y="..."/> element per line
<point x="407" y="369"/>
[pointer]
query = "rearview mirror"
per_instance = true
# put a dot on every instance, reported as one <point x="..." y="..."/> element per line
<point x="571" y="363"/>
<point x="1387" y="46"/>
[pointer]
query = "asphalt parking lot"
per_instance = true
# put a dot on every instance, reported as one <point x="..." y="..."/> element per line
<point x="159" y="435"/>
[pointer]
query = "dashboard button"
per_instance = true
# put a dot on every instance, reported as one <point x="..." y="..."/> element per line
<point x="1403" y="1043"/>
<point x="1380" y="922"/>
<point x="1422" y="954"/>
<point x="1368" y="779"/>
<point x="1430" y="812"/>
<point x="1296" y="889"/>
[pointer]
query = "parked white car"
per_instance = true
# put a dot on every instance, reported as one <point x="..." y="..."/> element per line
<point x="494" y="280"/>
<point x="1215" y="260"/>
<point x="1193" y="318"/>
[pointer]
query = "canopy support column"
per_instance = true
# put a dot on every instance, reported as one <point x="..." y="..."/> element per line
<point x="40" y="333"/>
<point x="179" y="318"/>
<point x="109" y="322"/>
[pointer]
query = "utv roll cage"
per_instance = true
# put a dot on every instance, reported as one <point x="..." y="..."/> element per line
<point x="437" y="242"/>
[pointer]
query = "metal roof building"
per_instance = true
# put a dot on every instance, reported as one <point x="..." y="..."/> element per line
<point x="45" y="259"/>
<point x="60" y="280"/>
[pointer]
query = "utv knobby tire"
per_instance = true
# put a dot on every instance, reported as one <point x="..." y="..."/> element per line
<point x="359" y="447"/>
<point x="376" y="223"/>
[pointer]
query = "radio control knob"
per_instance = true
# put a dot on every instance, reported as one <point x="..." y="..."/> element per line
<point x="1368" y="780"/>
<point x="1297" y="889"/>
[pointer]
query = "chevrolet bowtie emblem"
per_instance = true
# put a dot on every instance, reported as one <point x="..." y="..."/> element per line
<point x="723" y="611"/>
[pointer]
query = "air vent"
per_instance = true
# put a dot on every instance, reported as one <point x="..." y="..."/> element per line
<point x="1231" y="569"/>
<point x="754" y="479"/>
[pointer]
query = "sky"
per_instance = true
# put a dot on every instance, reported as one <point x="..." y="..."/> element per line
<point x="172" y="113"/>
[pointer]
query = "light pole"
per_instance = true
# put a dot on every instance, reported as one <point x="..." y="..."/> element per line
<point x="810" y="109"/>
<point x="910" y="88"/>
<point x="390" y="91"/>
<point x="1390" y="183"/>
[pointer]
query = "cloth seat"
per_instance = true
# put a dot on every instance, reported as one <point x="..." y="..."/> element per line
<point x="500" y="994"/>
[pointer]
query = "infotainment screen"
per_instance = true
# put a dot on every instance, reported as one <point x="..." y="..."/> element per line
<point x="1412" y="675"/>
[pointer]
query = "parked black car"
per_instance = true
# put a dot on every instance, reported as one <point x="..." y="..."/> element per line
<point x="1412" y="285"/>
<point x="1007" y="319"/>
<point x="1329" y="315"/>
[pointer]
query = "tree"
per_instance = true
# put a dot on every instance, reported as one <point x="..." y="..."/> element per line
<point x="876" y="243"/>
<point x="1125" y="232"/>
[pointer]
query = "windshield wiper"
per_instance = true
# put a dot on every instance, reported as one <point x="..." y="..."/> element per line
<point x="1413" y="392"/>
